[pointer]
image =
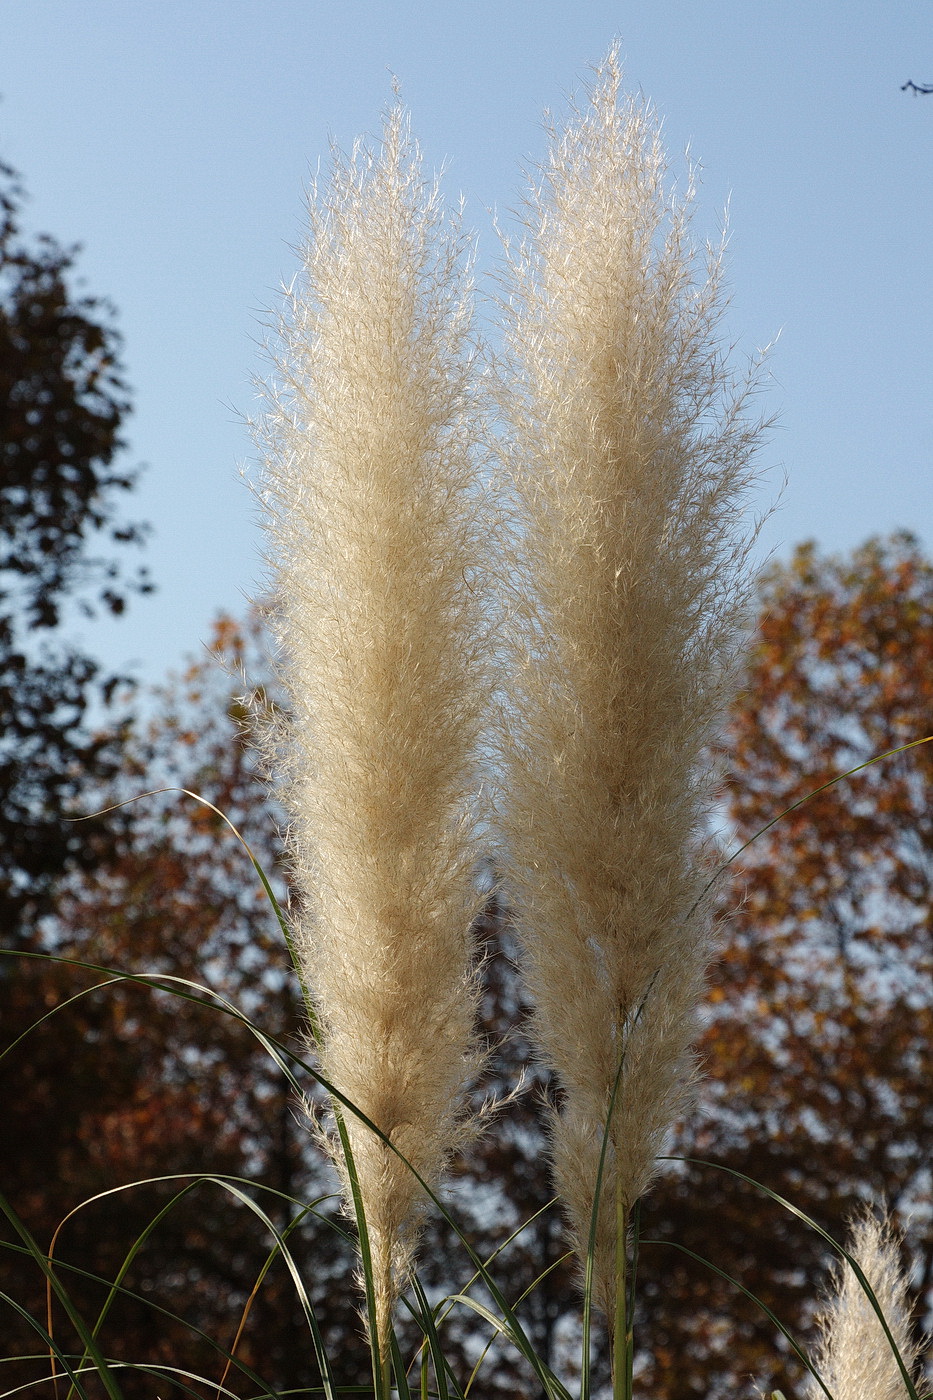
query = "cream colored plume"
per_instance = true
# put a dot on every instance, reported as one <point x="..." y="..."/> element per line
<point x="377" y="552"/>
<point x="855" y="1357"/>
<point x="629" y="456"/>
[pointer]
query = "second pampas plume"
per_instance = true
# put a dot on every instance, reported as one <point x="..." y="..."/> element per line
<point x="857" y="1359"/>
<point x="629" y="457"/>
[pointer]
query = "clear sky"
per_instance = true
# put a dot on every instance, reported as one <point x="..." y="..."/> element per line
<point x="174" y="138"/>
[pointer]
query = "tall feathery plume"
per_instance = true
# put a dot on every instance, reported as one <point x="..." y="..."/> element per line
<point x="855" y="1357"/>
<point x="377" y="551"/>
<point x="630" y="454"/>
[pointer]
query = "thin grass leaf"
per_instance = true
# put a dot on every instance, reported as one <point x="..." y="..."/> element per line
<point x="518" y="1302"/>
<point x="322" y="1358"/>
<point x="504" y="1330"/>
<point x="215" y="1177"/>
<point x="116" y="1288"/>
<point x="428" y="1323"/>
<point x="443" y="1309"/>
<point x="87" y="1341"/>
<point x="318" y="1390"/>
<point x="30" y="1386"/>
<point x="199" y="995"/>
<point x="284" y="1056"/>
<point x="513" y="1331"/>
<point x="833" y="1244"/>
<point x="264" y="1394"/>
<point x="447" y="1305"/>
<point x="205" y="996"/>
<point x="801" y="801"/>
<point x="378" y="1353"/>
<point x="60" y="1006"/>
<point x="170" y="1316"/>
<point x="179" y="1378"/>
<point x="399" y="1369"/>
<point x="307" y="1307"/>
<point x="254" y="1292"/>
<point x="510" y="1326"/>
<point x="121" y="1272"/>
<point x="284" y="927"/>
<point x="52" y="1348"/>
<point x="589" y="1263"/>
<point x="772" y="1317"/>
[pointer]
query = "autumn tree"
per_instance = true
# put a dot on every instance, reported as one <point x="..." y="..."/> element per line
<point x="817" y="1050"/>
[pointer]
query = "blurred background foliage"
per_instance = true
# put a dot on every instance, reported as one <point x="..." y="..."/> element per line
<point x="816" y="1050"/>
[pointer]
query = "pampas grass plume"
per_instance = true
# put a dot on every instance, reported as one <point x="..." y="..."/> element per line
<point x="377" y="551"/>
<point x="629" y="457"/>
<point x="855" y="1357"/>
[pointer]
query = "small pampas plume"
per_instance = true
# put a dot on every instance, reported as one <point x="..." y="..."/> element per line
<point x="369" y="443"/>
<point x="629" y="457"/>
<point x="855" y="1359"/>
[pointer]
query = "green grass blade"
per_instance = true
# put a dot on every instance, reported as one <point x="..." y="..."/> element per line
<point x="282" y="921"/>
<point x="824" y="1235"/>
<point x="284" y="1057"/>
<point x="801" y="801"/>
<point x="52" y="1348"/>
<point x="399" y="1369"/>
<point x="594" y="1214"/>
<point x="378" y="1355"/>
<point x="122" y="1271"/>
<point x="116" y="1288"/>
<point x="759" y="1303"/>
<point x="178" y="1377"/>
<point x="61" y="1293"/>
<point x="170" y="1316"/>
<point x="518" y="1302"/>
<point x="307" y="1307"/>
<point x="504" y="1327"/>
<point x="589" y="1262"/>
<point x="447" y="1304"/>
<point x="329" y="1388"/>
<point x="428" y="1321"/>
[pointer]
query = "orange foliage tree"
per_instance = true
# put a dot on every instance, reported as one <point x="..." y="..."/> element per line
<point x="819" y="1042"/>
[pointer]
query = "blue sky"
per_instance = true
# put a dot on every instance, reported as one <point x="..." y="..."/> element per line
<point x="174" y="138"/>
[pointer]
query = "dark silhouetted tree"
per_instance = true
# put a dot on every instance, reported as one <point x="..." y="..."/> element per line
<point x="63" y="399"/>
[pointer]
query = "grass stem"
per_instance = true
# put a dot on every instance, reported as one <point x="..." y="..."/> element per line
<point x="620" y="1329"/>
